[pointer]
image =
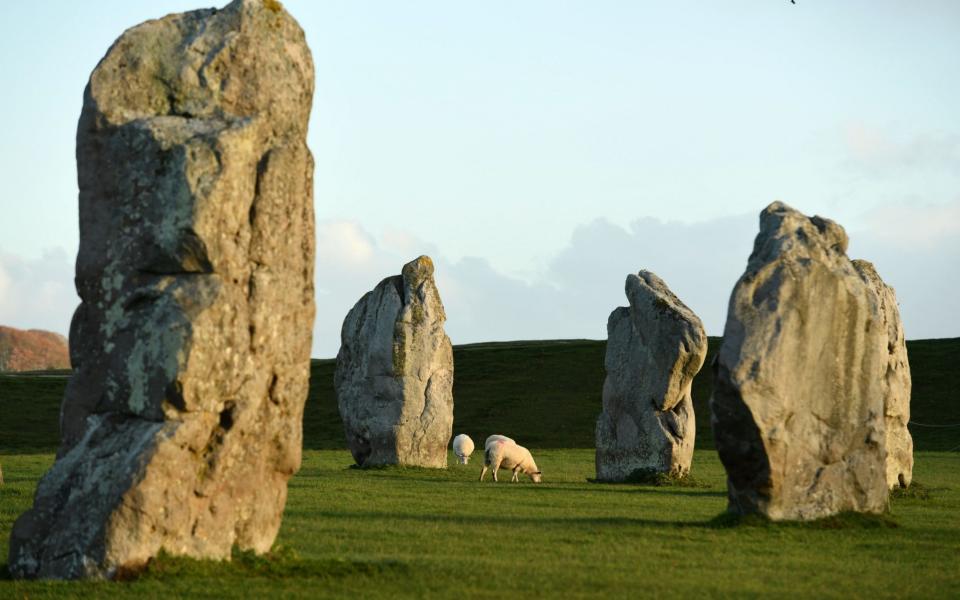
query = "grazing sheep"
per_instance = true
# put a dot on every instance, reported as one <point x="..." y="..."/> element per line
<point x="501" y="451"/>
<point x="463" y="448"/>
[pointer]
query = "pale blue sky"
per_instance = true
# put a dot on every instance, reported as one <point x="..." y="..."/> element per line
<point x="516" y="141"/>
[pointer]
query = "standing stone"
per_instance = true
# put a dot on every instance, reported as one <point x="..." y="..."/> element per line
<point x="896" y="408"/>
<point x="394" y="377"/>
<point x="655" y="347"/>
<point x="182" y="421"/>
<point x="798" y="400"/>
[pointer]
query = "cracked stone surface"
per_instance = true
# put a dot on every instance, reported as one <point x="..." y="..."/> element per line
<point x="800" y="378"/>
<point x="896" y="408"/>
<point x="181" y="423"/>
<point x="655" y="347"/>
<point x="394" y="375"/>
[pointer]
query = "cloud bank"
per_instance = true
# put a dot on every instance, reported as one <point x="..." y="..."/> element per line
<point x="915" y="249"/>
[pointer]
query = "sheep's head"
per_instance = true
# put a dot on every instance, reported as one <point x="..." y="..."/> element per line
<point x="535" y="476"/>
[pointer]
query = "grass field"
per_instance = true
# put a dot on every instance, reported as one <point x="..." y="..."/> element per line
<point x="419" y="533"/>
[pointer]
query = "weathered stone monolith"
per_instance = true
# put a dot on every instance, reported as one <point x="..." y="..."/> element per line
<point x="798" y="401"/>
<point x="896" y="408"/>
<point x="181" y="423"/>
<point x="394" y="376"/>
<point x="655" y="347"/>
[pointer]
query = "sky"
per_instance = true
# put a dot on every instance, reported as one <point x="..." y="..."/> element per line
<point x="540" y="151"/>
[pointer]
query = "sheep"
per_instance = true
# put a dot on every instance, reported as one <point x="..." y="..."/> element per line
<point x="501" y="451"/>
<point x="463" y="448"/>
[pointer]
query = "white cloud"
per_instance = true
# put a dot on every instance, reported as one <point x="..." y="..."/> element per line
<point x="37" y="293"/>
<point x="344" y="242"/>
<point x="699" y="261"/>
<point x="882" y="153"/>
<point x="908" y="225"/>
<point x="915" y="248"/>
<point x="573" y="299"/>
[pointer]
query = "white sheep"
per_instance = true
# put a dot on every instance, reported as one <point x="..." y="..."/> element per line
<point x="501" y="451"/>
<point x="463" y="448"/>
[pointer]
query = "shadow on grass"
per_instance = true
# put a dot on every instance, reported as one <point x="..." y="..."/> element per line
<point x="526" y="486"/>
<point x="916" y="491"/>
<point x="280" y="563"/>
<point x="846" y="520"/>
<point x="656" y="479"/>
<point x="724" y="520"/>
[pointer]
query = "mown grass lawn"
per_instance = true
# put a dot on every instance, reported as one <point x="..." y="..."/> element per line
<point x="416" y="533"/>
<point x="419" y="533"/>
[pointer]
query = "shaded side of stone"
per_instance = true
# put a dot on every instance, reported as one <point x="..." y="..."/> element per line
<point x="897" y="380"/>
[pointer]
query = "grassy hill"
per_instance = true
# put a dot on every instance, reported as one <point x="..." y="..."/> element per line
<point x="24" y="350"/>
<point x="546" y="393"/>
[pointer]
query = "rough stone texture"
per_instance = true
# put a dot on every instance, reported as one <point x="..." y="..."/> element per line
<point x="182" y="422"/>
<point x="32" y="350"/>
<point x="394" y="377"/>
<point x="654" y="349"/>
<point x="896" y="408"/>
<point x="798" y="402"/>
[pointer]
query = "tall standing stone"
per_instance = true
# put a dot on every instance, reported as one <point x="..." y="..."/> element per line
<point x="182" y="421"/>
<point x="798" y="401"/>
<point x="896" y="408"/>
<point x="655" y="347"/>
<point x="394" y="376"/>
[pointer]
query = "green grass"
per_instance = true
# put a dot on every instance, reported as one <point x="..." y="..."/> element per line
<point x="418" y="533"/>
<point x="399" y="532"/>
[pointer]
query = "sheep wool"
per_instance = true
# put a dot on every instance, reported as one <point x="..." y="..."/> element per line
<point x="463" y="448"/>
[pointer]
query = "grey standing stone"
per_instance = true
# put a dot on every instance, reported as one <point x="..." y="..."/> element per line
<point x="896" y="408"/>
<point x="181" y="423"/>
<point x="798" y="402"/>
<point x="394" y="376"/>
<point x="655" y="347"/>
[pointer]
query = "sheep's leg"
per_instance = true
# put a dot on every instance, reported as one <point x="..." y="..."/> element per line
<point x="496" y="467"/>
<point x="516" y="477"/>
<point x="483" y="473"/>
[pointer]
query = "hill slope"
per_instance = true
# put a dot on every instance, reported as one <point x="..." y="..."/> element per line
<point x="32" y="350"/>
<point x="545" y="393"/>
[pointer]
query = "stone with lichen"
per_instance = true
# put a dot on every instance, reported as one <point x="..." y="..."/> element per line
<point x="394" y="376"/>
<point x="655" y="347"/>
<point x="181" y="423"/>
<point x="800" y="379"/>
